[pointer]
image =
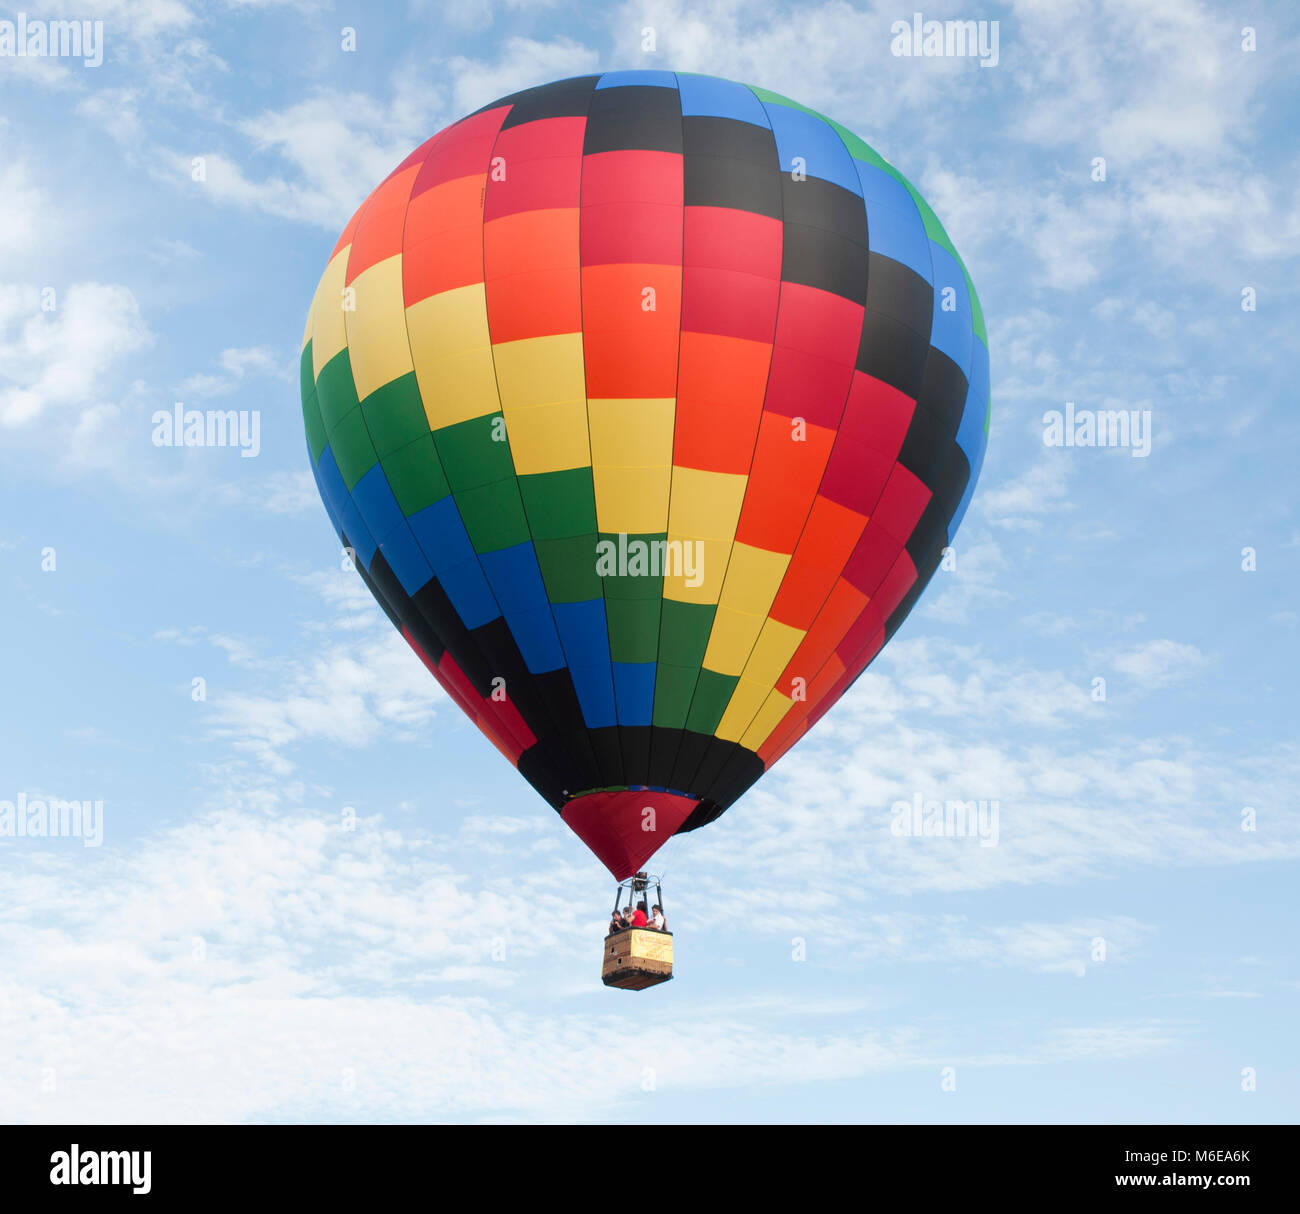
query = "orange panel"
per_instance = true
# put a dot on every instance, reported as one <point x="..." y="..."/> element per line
<point x="824" y="548"/>
<point x="783" y="483"/>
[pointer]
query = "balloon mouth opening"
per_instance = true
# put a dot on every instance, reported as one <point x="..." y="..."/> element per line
<point x="625" y="827"/>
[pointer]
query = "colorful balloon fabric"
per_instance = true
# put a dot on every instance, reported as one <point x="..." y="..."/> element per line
<point x="647" y="403"/>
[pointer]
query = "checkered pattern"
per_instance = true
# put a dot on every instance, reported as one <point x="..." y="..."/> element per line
<point x="662" y="306"/>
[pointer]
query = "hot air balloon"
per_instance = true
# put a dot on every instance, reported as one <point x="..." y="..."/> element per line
<point x="647" y="403"/>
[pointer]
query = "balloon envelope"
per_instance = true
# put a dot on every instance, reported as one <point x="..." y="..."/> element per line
<point x="647" y="403"/>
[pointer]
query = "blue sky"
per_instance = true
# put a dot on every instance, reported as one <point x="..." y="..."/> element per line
<point x="232" y="953"/>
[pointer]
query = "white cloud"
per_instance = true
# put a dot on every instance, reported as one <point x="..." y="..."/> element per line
<point x="60" y="359"/>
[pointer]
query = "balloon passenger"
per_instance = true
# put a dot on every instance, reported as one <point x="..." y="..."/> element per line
<point x="638" y="916"/>
<point x="657" y="920"/>
<point x="617" y="923"/>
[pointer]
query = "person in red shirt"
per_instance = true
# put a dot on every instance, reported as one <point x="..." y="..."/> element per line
<point x="638" y="918"/>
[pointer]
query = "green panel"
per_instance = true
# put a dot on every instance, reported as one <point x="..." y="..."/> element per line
<point x="674" y="686"/>
<point x="311" y="420"/>
<point x="493" y="515"/>
<point x="858" y="148"/>
<point x="416" y="475"/>
<point x="560" y="504"/>
<point x="395" y="414"/>
<point x="641" y="556"/>
<point x="569" y="568"/>
<point x="336" y="393"/>
<point x="633" y="629"/>
<point x="353" y="450"/>
<point x="306" y="376"/>
<point x="684" y="632"/>
<point x="712" y="695"/>
<point x="471" y="457"/>
<point x="777" y="99"/>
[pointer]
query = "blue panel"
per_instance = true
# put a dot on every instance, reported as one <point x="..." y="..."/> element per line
<point x="895" y="234"/>
<point x="374" y="498"/>
<point x="586" y="644"/>
<point x="707" y="96"/>
<point x="970" y="433"/>
<point x="330" y="482"/>
<point x="952" y="331"/>
<point x="405" y="559"/>
<point x="358" y="534"/>
<point x="820" y="147"/>
<point x="517" y="582"/>
<point x="469" y="592"/>
<point x="884" y="189"/>
<point x="960" y="512"/>
<point x="634" y="689"/>
<point x="439" y="531"/>
<point x="323" y="488"/>
<point x="614" y="80"/>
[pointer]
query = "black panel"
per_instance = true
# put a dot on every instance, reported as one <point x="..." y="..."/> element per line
<point x="943" y="391"/>
<point x="690" y="754"/>
<point x="714" y="181"/>
<point x="664" y="744"/>
<point x="893" y="353"/>
<point x="607" y="747"/>
<point x="635" y="742"/>
<point x="926" y="543"/>
<point x="555" y="687"/>
<point x="953" y="479"/>
<point x="536" y="767"/>
<point x="704" y="813"/>
<point x="818" y="258"/>
<point x="815" y="203"/>
<point x="738" y="775"/>
<point x="434" y="607"/>
<point x="715" y="759"/>
<point x="733" y="140"/>
<point x="641" y="117"/>
<point x="385" y="597"/>
<point x="897" y="292"/>
<point x="563" y="99"/>
<point x="925" y="447"/>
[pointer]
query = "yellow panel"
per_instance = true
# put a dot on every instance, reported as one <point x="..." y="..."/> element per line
<point x="540" y="370"/>
<point x="450" y="322"/>
<point x="328" y="336"/>
<point x="458" y="387"/>
<point x="634" y="500"/>
<point x="776" y="645"/>
<point x="769" y="717"/>
<point x="632" y="433"/>
<point x="744" y="703"/>
<point x="548" y="438"/>
<point x="753" y="578"/>
<point x="732" y="638"/>
<point x="706" y="504"/>
<point x="377" y="344"/>
<point x="710" y="558"/>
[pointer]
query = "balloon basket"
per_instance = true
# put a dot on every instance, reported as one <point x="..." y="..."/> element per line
<point x="636" y="958"/>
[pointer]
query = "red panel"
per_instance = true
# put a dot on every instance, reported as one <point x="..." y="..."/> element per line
<point x="870" y="436"/>
<point x="824" y="547"/>
<point x="877" y="550"/>
<point x="378" y="235"/>
<point x="723" y="239"/>
<point x="645" y="232"/>
<point x="844" y="604"/>
<point x="544" y="137"/>
<point x="611" y="825"/>
<point x="630" y="352"/>
<point x="729" y="303"/>
<point x="632" y="176"/>
<point x="534" y="185"/>
<point x="901" y="504"/>
<point x="462" y="151"/>
<point x="782" y="483"/>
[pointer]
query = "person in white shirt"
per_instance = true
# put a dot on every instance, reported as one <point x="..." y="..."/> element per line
<point x="657" y="920"/>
